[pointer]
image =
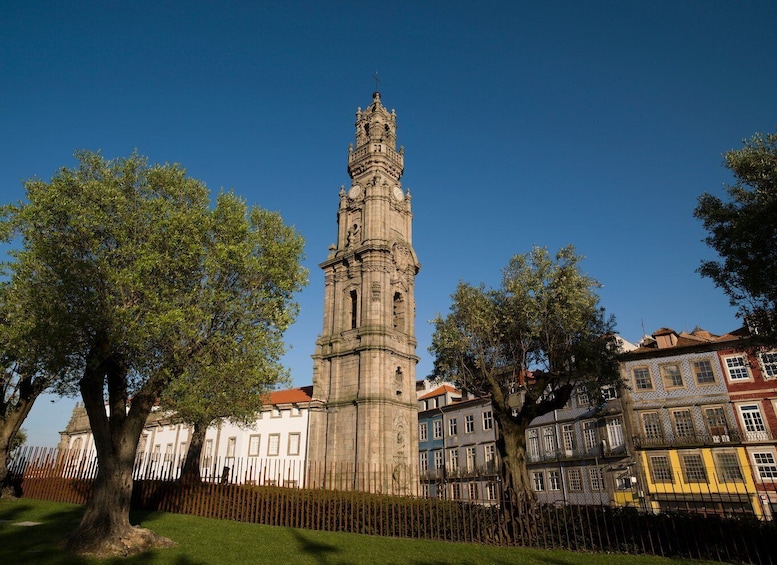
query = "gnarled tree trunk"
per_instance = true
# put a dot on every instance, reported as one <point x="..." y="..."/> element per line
<point x="105" y="528"/>
<point x="14" y="413"/>
<point x="191" y="467"/>
<point x="9" y="426"/>
<point x="518" y="501"/>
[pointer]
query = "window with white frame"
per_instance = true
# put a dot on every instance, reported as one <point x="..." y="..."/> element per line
<point x="768" y="362"/>
<point x="538" y="481"/>
<point x="615" y="432"/>
<point x="438" y="463"/>
<point x="574" y="480"/>
<point x="651" y="425"/>
<point x="169" y="452"/>
<point x="456" y="491"/>
<point x="736" y="368"/>
<point x="765" y="464"/>
<point x="423" y="431"/>
<point x="273" y="444"/>
<point x="549" y="440"/>
<point x="253" y="445"/>
<point x="207" y="452"/>
<point x="453" y="459"/>
<point x="728" y="468"/>
<point x="597" y="478"/>
<point x="554" y="480"/>
<point x="672" y="376"/>
<point x="437" y="429"/>
<point x="660" y="469"/>
<point x="533" y="443"/>
<point x="491" y="490"/>
<point x="489" y="454"/>
<point x="453" y="427"/>
<point x="231" y="442"/>
<point x="473" y="491"/>
<point x="589" y="435"/>
<point x="693" y="468"/>
<point x="568" y="438"/>
<point x="294" y="441"/>
<point x="469" y="424"/>
<point x="753" y="422"/>
<point x="683" y="423"/>
<point x="702" y="370"/>
<point x="471" y="459"/>
<point x="488" y="420"/>
<point x="642" y="379"/>
<point x="423" y="461"/>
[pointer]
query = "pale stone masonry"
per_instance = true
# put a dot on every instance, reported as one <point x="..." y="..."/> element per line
<point x="364" y="418"/>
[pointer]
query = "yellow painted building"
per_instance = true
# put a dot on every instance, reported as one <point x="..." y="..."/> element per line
<point x="682" y="429"/>
<point x="707" y="480"/>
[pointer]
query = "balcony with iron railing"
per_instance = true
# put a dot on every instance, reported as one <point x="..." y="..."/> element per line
<point x="725" y="437"/>
<point x="601" y="450"/>
<point x="484" y="470"/>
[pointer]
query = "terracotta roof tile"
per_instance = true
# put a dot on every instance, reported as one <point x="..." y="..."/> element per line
<point x="439" y="391"/>
<point x="291" y="396"/>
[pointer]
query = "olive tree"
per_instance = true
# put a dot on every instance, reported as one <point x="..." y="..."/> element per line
<point x="527" y="345"/>
<point x="116" y="256"/>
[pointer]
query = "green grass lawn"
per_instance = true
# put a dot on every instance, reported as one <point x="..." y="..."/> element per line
<point x="204" y="541"/>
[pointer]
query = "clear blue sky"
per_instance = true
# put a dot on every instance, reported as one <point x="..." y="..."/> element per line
<point x="524" y="123"/>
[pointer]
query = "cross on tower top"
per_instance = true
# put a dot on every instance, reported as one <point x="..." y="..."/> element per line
<point x="377" y="80"/>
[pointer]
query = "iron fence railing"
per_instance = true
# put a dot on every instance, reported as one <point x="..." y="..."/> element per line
<point x="732" y="437"/>
<point x="344" y="498"/>
<point x="600" y="450"/>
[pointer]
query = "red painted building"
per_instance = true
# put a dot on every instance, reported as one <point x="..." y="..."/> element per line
<point x="750" y="372"/>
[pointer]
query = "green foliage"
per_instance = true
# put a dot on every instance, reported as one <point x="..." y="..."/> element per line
<point x="543" y="331"/>
<point x="131" y="254"/>
<point x="743" y="229"/>
<point x="248" y="281"/>
<point x="110" y="250"/>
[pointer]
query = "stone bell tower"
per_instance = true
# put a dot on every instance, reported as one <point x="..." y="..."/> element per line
<point x="364" y="420"/>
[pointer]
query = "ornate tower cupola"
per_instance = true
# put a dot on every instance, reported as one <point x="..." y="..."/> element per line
<point x="376" y="143"/>
<point x="364" y="364"/>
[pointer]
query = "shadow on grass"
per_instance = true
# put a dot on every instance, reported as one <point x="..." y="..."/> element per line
<point x="41" y="543"/>
<point x="13" y="511"/>
<point x="321" y="552"/>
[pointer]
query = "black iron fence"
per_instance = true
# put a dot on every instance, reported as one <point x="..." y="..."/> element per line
<point x="293" y="494"/>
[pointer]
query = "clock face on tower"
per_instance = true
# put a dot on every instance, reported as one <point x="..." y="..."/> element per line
<point x="355" y="192"/>
<point x="398" y="194"/>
